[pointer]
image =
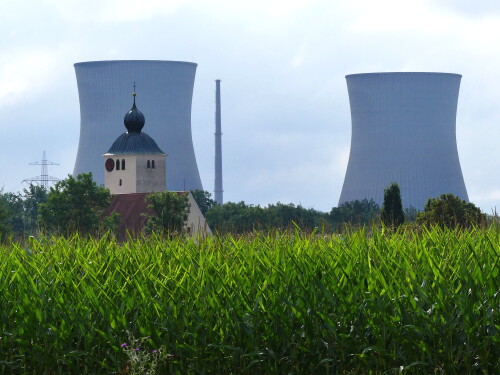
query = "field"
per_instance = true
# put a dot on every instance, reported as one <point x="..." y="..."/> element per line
<point x="282" y="303"/>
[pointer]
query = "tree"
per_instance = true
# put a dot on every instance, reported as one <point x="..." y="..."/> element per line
<point x="204" y="200"/>
<point x="170" y="212"/>
<point x="411" y="214"/>
<point x="13" y="205"/>
<point x="357" y="212"/>
<point x="282" y="215"/>
<point x="392" y="213"/>
<point x="34" y="195"/>
<point x="240" y="217"/>
<point x="236" y="217"/>
<point x="75" y="205"/>
<point x="449" y="211"/>
<point x="5" y="228"/>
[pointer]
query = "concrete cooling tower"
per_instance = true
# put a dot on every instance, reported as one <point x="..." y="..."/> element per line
<point x="403" y="131"/>
<point x="164" y="94"/>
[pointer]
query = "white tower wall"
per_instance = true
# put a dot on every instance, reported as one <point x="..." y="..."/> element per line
<point x="166" y="90"/>
<point x="403" y="131"/>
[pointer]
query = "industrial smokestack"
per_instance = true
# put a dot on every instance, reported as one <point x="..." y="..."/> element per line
<point x="218" y="191"/>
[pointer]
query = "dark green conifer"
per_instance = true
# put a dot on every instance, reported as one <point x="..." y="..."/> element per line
<point x="392" y="214"/>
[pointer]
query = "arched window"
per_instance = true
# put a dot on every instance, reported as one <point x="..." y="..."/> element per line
<point x="117" y="164"/>
<point x="152" y="164"/>
<point x="123" y="164"/>
<point x="149" y="165"/>
<point x="120" y="182"/>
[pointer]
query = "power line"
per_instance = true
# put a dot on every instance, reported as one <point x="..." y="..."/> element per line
<point x="44" y="178"/>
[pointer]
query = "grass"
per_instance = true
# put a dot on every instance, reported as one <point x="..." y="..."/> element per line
<point x="284" y="303"/>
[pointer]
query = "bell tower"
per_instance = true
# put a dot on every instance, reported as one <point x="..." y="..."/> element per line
<point x="134" y="163"/>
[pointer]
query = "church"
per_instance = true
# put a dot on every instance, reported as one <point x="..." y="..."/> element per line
<point x="134" y="167"/>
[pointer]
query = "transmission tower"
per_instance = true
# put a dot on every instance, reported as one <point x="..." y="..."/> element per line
<point x="44" y="178"/>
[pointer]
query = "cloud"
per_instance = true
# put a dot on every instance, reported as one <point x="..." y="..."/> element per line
<point x="491" y="195"/>
<point x="25" y="73"/>
<point x="300" y="56"/>
<point x="483" y="8"/>
<point x="119" y="11"/>
<point x="114" y="11"/>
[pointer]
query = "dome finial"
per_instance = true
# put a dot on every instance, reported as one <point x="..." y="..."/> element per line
<point x="134" y="119"/>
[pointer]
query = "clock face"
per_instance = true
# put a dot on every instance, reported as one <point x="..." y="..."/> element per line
<point x="110" y="164"/>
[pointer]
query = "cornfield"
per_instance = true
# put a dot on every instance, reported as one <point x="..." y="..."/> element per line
<point x="282" y="303"/>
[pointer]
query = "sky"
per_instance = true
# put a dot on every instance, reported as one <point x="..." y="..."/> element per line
<point x="282" y="64"/>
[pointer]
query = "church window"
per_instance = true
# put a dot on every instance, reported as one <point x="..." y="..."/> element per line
<point x="123" y="164"/>
<point x="152" y="164"/>
<point x="117" y="164"/>
<point x="149" y="164"/>
<point x="120" y="182"/>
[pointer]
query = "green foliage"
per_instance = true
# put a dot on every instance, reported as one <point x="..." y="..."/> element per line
<point x="493" y="220"/>
<point x="411" y="214"/>
<point x="204" y="200"/>
<point x="13" y="204"/>
<point x="280" y="303"/>
<point x="75" y="205"/>
<point x="170" y="212"/>
<point x="283" y="216"/>
<point x="5" y="228"/>
<point x="33" y="196"/>
<point x="450" y="211"/>
<point x="235" y="217"/>
<point x="22" y="210"/>
<point x="356" y="213"/>
<point x="242" y="218"/>
<point x="392" y="214"/>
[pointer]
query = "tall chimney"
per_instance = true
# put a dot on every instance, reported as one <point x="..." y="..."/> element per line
<point x="218" y="191"/>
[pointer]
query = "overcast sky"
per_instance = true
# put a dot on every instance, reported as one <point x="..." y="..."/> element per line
<point x="285" y="109"/>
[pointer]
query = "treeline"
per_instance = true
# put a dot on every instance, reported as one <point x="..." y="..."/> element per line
<point x="19" y="211"/>
<point x="79" y="205"/>
<point x="446" y="211"/>
<point x="241" y="217"/>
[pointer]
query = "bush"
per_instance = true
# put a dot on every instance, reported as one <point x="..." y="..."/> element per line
<point x="75" y="205"/>
<point x="449" y="211"/>
<point x="170" y="210"/>
<point x="357" y="212"/>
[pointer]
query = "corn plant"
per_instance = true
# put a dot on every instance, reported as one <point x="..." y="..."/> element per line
<point x="407" y="302"/>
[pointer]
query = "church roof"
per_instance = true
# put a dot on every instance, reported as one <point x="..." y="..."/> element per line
<point x="133" y="210"/>
<point x="134" y="141"/>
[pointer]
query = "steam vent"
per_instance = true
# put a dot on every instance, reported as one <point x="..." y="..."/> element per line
<point x="403" y="131"/>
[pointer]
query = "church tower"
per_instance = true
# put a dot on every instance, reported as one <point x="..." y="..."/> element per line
<point x="135" y="163"/>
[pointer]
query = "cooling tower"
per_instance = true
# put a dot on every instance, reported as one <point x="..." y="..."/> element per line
<point x="164" y="94"/>
<point x="403" y="131"/>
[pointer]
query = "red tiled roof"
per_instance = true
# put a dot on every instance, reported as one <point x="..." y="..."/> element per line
<point x="131" y="208"/>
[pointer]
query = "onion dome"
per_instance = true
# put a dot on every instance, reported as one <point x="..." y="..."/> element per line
<point x="134" y="141"/>
<point x="134" y="120"/>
